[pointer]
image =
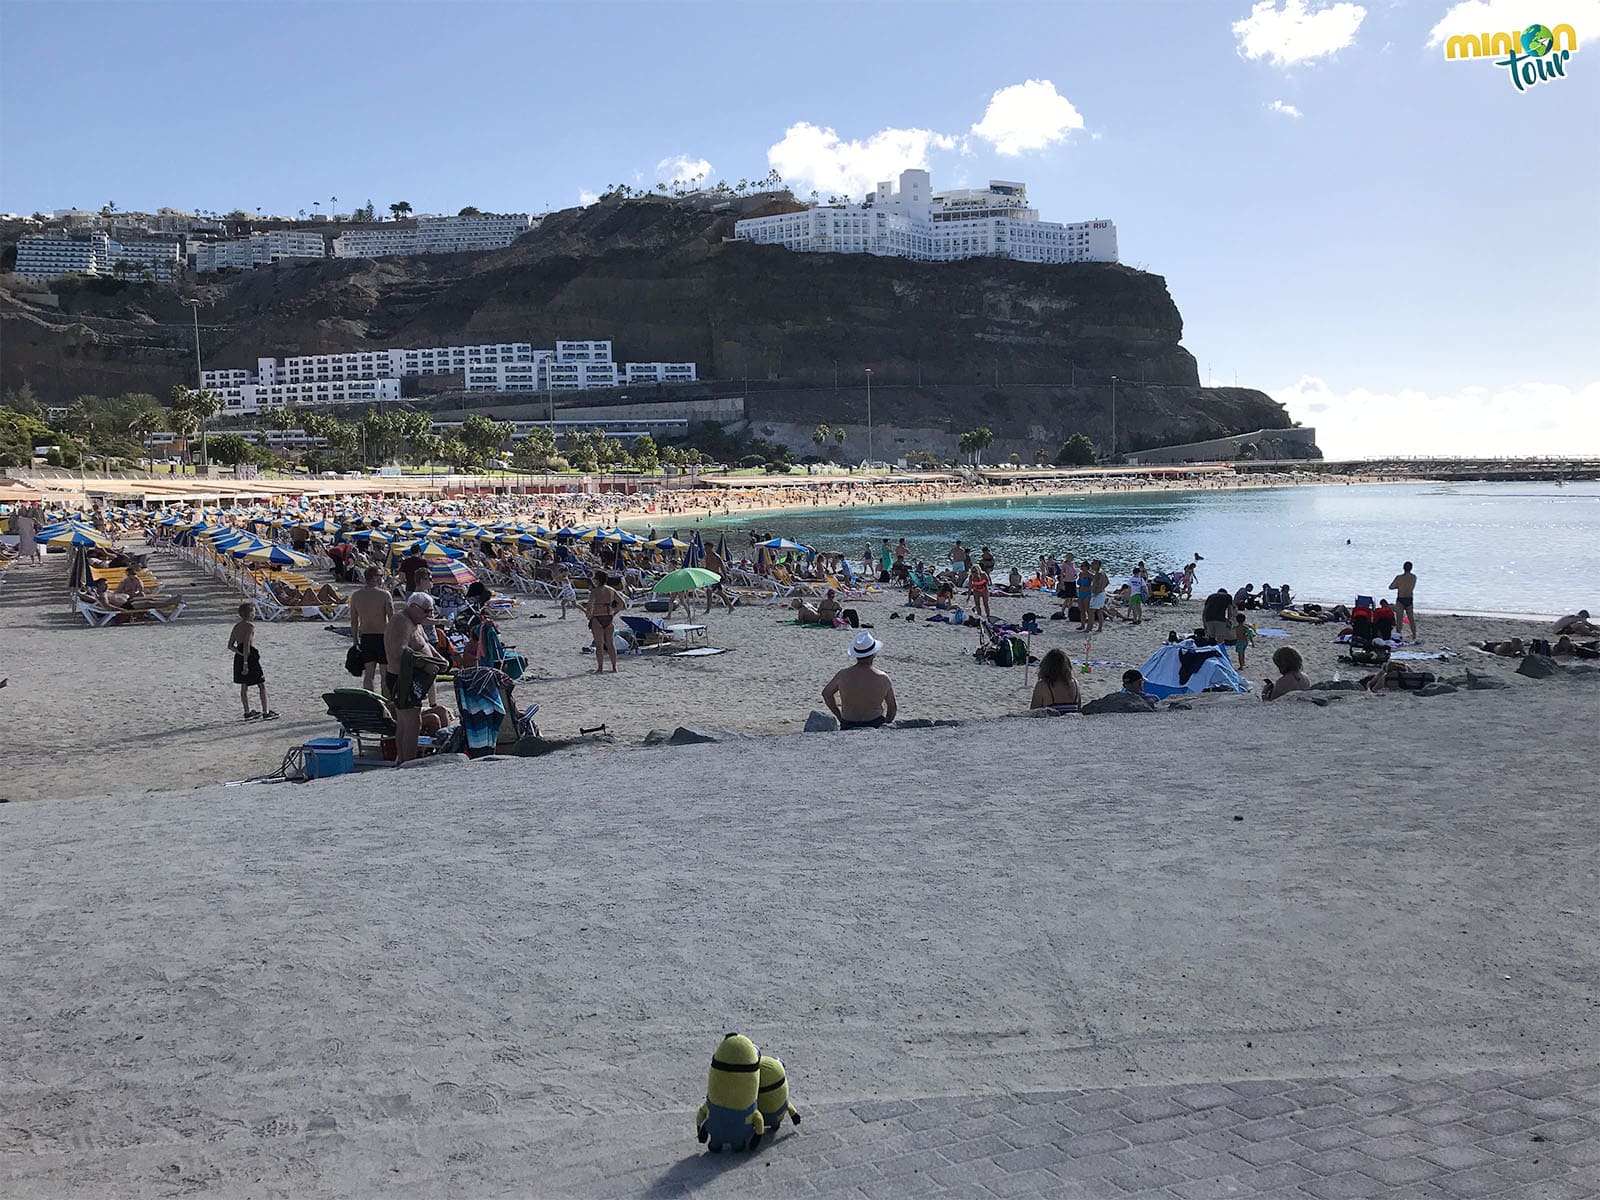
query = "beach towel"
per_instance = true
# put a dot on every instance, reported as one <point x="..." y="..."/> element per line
<point x="1419" y="655"/>
<point x="480" y="693"/>
<point x="698" y="652"/>
<point x="1272" y="633"/>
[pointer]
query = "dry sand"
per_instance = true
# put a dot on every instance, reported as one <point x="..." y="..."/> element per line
<point x="140" y="707"/>
<point x="505" y="978"/>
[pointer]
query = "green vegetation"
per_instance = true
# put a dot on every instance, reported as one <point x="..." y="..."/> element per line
<point x="975" y="442"/>
<point x="1076" y="451"/>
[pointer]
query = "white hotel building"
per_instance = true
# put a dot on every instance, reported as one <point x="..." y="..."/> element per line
<point x="437" y="235"/>
<point x="372" y="376"/>
<point x="919" y="223"/>
<point x="53" y="255"/>
<point x="258" y="250"/>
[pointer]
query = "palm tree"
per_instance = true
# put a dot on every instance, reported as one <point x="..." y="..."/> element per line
<point x="820" y="435"/>
<point x="302" y="214"/>
<point x="400" y="208"/>
<point x="333" y="206"/>
<point x="184" y="421"/>
<point x="145" y="422"/>
<point x="838" y="436"/>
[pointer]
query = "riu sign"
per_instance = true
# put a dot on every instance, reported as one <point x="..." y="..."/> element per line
<point x="1533" y="56"/>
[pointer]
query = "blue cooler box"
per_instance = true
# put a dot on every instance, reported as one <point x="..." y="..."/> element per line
<point x="329" y="756"/>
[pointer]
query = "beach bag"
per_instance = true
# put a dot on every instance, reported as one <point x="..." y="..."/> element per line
<point x="1002" y="654"/>
<point x="1019" y="649"/>
<point x="853" y="617"/>
<point x="352" y="660"/>
<point x="1061" y="616"/>
<point x="1414" y="681"/>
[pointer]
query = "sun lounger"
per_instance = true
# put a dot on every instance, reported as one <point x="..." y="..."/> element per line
<point x="650" y="633"/>
<point x="365" y="716"/>
<point x="98" y="615"/>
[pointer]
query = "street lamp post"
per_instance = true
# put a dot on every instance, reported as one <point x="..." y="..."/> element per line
<point x="199" y="380"/>
<point x="869" y="418"/>
<point x="1113" y="417"/>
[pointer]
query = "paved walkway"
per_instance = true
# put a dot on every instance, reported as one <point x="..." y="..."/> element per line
<point x="1489" y="1133"/>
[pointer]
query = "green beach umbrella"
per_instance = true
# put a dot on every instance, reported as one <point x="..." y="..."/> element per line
<point x="686" y="579"/>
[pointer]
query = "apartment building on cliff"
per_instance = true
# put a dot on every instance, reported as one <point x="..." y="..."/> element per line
<point x="437" y="235"/>
<point x="54" y="255"/>
<point x="258" y="250"/>
<point x="913" y="221"/>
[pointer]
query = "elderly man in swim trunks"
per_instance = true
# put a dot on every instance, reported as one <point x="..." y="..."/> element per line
<point x="604" y="603"/>
<point x="408" y="634"/>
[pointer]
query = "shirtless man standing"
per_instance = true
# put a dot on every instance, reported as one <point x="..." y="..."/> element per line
<point x="370" y="610"/>
<point x="605" y="602"/>
<point x="861" y="696"/>
<point x="1405" y="590"/>
<point x="407" y="630"/>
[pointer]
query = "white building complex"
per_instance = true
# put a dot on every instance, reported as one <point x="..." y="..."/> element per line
<point x="919" y="223"/>
<point x="371" y="376"/>
<point x="258" y="250"/>
<point x="437" y="235"/>
<point x="54" y="255"/>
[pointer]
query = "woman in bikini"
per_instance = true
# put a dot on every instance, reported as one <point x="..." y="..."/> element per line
<point x="1057" y="689"/>
<point x="605" y="602"/>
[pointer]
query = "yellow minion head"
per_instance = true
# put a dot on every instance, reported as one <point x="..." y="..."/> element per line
<point x="735" y="1076"/>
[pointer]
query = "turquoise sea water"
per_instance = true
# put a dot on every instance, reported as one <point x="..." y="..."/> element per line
<point x="1477" y="547"/>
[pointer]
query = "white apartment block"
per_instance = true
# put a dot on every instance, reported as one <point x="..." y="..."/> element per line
<point x="659" y="372"/>
<point x="437" y="235"/>
<point x="916" y="222"/>
<point x="491" y="367"/>
<point x="53" y="255"/>
<point x="257" y="397"/>
<point x="258" y="249"/>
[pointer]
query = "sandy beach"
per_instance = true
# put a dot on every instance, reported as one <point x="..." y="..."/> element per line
<point x="1287" y="951"/>
<point x="145" y="707"/>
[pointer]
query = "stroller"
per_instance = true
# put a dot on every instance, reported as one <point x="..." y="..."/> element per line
<point x="1367" y="646"/>
<point x="1001" y="645"/>
<point x="1163" y="590"/>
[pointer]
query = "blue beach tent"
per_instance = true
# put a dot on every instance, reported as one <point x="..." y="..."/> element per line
<point x="1182" y="668"/>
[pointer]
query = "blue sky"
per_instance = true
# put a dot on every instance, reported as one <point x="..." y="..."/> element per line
<point x="1401" y="248"/>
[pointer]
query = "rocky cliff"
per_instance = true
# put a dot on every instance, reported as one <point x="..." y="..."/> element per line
<point x="1028" y="350"/>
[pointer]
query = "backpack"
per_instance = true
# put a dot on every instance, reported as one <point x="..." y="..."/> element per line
<point x="1002" y="653"/>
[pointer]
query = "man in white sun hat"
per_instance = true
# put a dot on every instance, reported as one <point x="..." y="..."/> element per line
<point x="861" y="696"/>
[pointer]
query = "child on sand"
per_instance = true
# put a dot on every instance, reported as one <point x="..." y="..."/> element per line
<point x="565" y="592"/>
<point x="247" y="663"/>
<point x="1243" y="634"/>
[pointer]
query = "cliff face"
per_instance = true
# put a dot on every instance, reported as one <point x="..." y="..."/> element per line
<point x="1029" y="350"/>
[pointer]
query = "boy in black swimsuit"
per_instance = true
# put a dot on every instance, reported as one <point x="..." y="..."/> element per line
<point x="247" y="663"/>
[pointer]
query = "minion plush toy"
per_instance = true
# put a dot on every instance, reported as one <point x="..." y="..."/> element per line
<point x="729" y="1117"/>
<point x="773" y="1099"/>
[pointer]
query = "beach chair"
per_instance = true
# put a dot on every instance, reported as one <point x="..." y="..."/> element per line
<point x="1366" y="647"/>
<point x="365" y="716"/>
<point x="491" y="722"/>
<point x="650" y="633"/>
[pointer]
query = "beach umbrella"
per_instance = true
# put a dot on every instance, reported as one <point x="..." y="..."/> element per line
<point x="686" y="579"/>
<point x="323" y="526"/>
<point x="364" y="535"/>
<point x="779" y="543"/>
<point x="722" y="549"/>
<point x="431" y="549"/>
<point x="573" y="531"/>
<point x="79" y="535"/>
<point x="447" y="571"/>
<point x="619" y="537"/>
<point x="670" y="543"/>
<point x="277" y="556"/>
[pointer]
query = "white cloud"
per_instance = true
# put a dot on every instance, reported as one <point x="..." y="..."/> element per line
<point x="1288" y="110"/>
<point x="1027" y="116"/>
<point x="680" y="168"/>
<point x="1295" y="32"/>
<point x="586" y="197"/>
<point x="1502" y="16"/>
<point x="810" y="156"/>
<point x="1527" y="419"/>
